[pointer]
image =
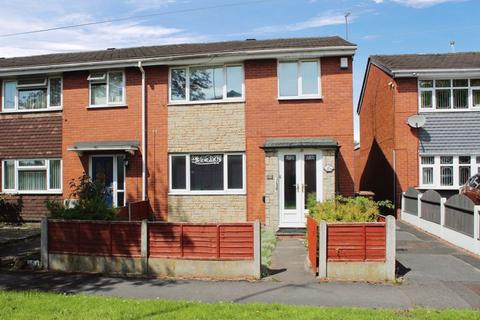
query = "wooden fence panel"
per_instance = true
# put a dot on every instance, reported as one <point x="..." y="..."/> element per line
<point x="356" y="242"/>
<point x="312" y="238"/>
<point x="165" y="240"/>
<point x="126" y="239"/>
<point x="140" y="210"/>
<point x="94" y="238"/>
<point x="235" y="242"/>
<point x="62" y="237"/>
<point x="411" y="201"/>
<point x="430" y="206"/>
<point x="459" y="210"/>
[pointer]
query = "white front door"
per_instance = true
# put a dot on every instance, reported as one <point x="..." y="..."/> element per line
<point x="300" y="175"/>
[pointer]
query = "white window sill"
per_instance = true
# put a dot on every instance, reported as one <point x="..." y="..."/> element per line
<point x="106" y="106"/>
<point x="301" y="98"/>
<point x="423" y="110"/>
<point x="189" y="103"/>
<point x="31" y="110"/>
<point x="19" y="193"/>
<point x="438" y="187"/>
<point x="207" y="193"/>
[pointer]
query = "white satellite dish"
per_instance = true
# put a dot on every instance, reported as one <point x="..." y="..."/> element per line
<point x="416" y="121"/>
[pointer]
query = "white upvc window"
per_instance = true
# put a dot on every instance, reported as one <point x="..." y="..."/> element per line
<point x="206" y="84"/>
<point x="207" y="173"/>
<point x="299" y="79"/>
<point x="449" y="94"/>
<point x="107" y="88"/>
<point x="32" y="176"/>
<point x="32" y="94"/>
<point x="447" y="171"/>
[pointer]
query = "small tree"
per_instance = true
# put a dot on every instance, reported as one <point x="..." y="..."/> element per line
<point x="91" y="202"/>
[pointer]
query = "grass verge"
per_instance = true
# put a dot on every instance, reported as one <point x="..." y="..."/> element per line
<point x="36" y="305"/>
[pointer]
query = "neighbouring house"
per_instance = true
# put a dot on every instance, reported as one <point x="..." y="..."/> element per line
<point x="208" y="132"/>
<point x="441" y="153"/>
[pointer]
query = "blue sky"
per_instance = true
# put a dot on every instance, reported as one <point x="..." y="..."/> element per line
<point x="376" y="26"/>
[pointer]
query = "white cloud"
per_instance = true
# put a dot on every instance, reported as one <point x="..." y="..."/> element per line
<point x="418" y="3"/>
<point x="140" y="5"/>
<point x="95" y="37"/>
<point x="316" y="22"/>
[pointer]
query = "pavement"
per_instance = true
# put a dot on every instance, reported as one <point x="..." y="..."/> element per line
<point x="434" y="274"/>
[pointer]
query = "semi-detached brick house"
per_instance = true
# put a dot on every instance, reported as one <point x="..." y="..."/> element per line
<point x="445" y="151"/>
<point x="227" y="131"/>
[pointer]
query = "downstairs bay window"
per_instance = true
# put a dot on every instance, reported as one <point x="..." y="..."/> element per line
<point x="447" y="172"/>
<point x="207" y="173"/>
<point x="32" y="176"/>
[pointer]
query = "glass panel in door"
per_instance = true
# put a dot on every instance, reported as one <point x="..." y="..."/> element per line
<point x="102" y="171"/>
<point x="310" y="177"/>
<point x="290" y="181"/>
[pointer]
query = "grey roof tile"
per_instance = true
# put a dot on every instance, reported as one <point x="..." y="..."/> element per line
<point x="171" y="51"/>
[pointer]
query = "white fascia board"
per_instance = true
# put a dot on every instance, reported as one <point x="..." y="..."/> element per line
<point x="222" y="57"/>
<point x="418" y="73"/>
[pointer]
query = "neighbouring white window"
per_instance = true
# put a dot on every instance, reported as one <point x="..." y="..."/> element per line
<point x="32" y="94"/>
<point x="449" y="94"/>
<point x="299" y="79"/>
<point x="206" y="83"/>
<point x="32" y="176"/>
<point x="207" y="173"/>
<point x="447" y="172"/>
<point x="107" y="88"/>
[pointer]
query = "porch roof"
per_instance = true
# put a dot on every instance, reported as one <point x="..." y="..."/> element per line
<point x="85" y="146"/>
<point x="323" y="143"/>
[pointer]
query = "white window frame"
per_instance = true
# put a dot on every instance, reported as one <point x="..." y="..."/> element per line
<point x="225" y="190"/>
<point x="451" y="88"/>
<point x="106" y="80"/>
<point x="187" y="85"/>
<point x="300" y="95"/>
<point x="47" y="86"/>
<point x="45" y="167"/>
<point x="474" y="167"/>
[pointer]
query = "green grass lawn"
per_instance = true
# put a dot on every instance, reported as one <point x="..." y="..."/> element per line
<point x="36" y="305"/>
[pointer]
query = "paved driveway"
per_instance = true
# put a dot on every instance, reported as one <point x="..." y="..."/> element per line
<point x="435" y="275"/>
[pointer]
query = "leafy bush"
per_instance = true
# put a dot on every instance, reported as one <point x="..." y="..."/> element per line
<point x="10" y="211"/>
<point x="91" y="203"/>
<point x="346" y="209"/>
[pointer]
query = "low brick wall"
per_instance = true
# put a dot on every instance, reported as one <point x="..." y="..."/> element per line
<point x="353" y="251"/>
<point x="219" y="251"/>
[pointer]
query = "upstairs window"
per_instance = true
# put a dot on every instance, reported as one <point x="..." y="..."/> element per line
<point x="299" y="79"/>
<point x="449" y="94"/>
<point x="32" y="94"/>
<point x="32" y="176"/>
<point x="206" y="83"/>
<point x="107" y="89"/>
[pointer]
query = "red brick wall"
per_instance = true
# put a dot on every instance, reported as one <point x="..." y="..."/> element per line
<point x="102" y="124"/>
<point x="386" y="105"/>
<point x="268" y="117"/>
<point x="157" y="137"/>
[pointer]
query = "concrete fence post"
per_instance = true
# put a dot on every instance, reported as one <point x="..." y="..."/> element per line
<point x="419" y="204"/>
<point x="44" y="243"/>
<point x="322" y="250"/>
<point x="144" y="246"/>
<point x="442" y="211"/>
<point x="402" y="209"/>
<point x="476" y="223"/>
<point x="257" y="249"/>
<point x="390" y="254"/>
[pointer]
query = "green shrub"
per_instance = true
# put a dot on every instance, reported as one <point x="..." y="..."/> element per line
<point x="10" y="211"/>
<point x="346" y="209"/>
<point x="91" y="202"/>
